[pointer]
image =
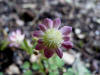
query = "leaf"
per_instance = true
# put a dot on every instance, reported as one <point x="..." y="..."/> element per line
<point x="28" y="72"/>
<point x="55" y="72"/>
<point x="23" y="46"/>
<point x="69" y="72"/>
<point x="26" y="65"/>
<point x="26" y="44"/>
<point x="4" y="44"/>
<point x="1" y="73"/>
<point x="56" y="61"/>
<point x="59" y="62"/>
<point x="52" y="64"/>
<point x="34" y="45"/>
<point x="35" y="66"/>
<point x="26" y="47"/>
<point x="79" y="67"/>
<point x="53" y="67"/>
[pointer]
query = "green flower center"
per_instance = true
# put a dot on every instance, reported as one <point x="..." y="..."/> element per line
<point x="52" y="38"/>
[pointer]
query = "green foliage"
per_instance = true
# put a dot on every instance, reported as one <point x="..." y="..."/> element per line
<point x="55" y="72"/>
<point x="26" y="65"/>
<point x="4" y="44"/>
<point x="1" y="73"/>
<point x="79" y="68"/>
<point x="26" y="47"/>
<point x="59" y="62"/>
<point x="69" y="72"/>
<point x="73" y="71"/>
<point x="35" y="66"/>
<point x="56" y="62"/>
<point x="28" y="72"/>
<point x="53" y="64"/>
<point x="35" y="43"/>
<point x="80" y="44"/>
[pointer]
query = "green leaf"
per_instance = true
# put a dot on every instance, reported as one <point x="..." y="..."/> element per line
<point x="26" y="65"/>
<point x="56" y="72"/>
<point x="34" y="45"/>
<point x="46" y="64"/>
<point x="79" y="67"/>
<point x="28" y="72"/>
<point x="1" y="73"/>
<point x="80" y="44"/>
<point x="52" y="64"/>
<point x="4" y="44"/>
<point x="35" y="66"/>
<point x="26" y="47"/>
<point x="59" y="62"/>
<point x="69" y="72"/>
<point x="53" y="67"/>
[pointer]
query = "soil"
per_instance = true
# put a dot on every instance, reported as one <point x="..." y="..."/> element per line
<point x="27" y="14"/>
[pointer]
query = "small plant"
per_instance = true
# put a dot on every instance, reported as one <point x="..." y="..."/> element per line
<point x="48" y="41"/>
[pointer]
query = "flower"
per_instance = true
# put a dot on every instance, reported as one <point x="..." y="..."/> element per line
<point x="16" y="38"/>
<point x="51" y="38"/>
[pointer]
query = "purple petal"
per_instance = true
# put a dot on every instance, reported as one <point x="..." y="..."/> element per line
<point x="13" y="34"/>
<point x="12" y="38"/>
<point x="37" y="33"/>
<point x="42" y="27"/>
<point x="40" y="41"/>
<point x="67" y="44"/>
<point x="66" y="30"/>
<point x="48" y="53"/>
<point x="48" y="23"/>
<point x="56" y="23"/>
<point x="13" y="44"/>
<point x="66" y="38"/>
<point x="18" y="32"/>
<point x="39" y="47"/>
<point x="59" y="52"/>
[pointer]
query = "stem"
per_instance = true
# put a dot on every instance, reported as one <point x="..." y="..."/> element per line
<point x="41" y="66"/>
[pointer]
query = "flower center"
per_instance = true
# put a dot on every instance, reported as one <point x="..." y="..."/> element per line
<point x="52" y="38"/>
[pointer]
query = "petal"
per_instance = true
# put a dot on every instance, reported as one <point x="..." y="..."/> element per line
<point x="18" y="32"/>
<point x="21" y="37"/>
<point x="48" y="52"/>
<point x="56" y="23"/>
<point x="48" y="23"/>
<point x="59" y="52"/>
<point x="67" y="44"/>
<point x="42" y="27"/>
<point x="66" y="38"/>
<point x="40" y="41"/>
<point x="66" y="30"/>
<point x="13" y="34"/>
<point x="39" y="47"/>
<point x="37" y="33"/>
<point x="12" y="38"/>
<point x="13" y="44"/>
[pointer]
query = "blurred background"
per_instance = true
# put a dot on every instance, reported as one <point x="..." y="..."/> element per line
<point x="82" y="15"/>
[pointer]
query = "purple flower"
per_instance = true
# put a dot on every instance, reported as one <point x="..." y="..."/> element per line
<point x="16" y="38"/>
<point x="51" y="38"/>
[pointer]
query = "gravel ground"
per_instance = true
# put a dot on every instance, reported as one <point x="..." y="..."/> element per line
<point x="82" y="15"/>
